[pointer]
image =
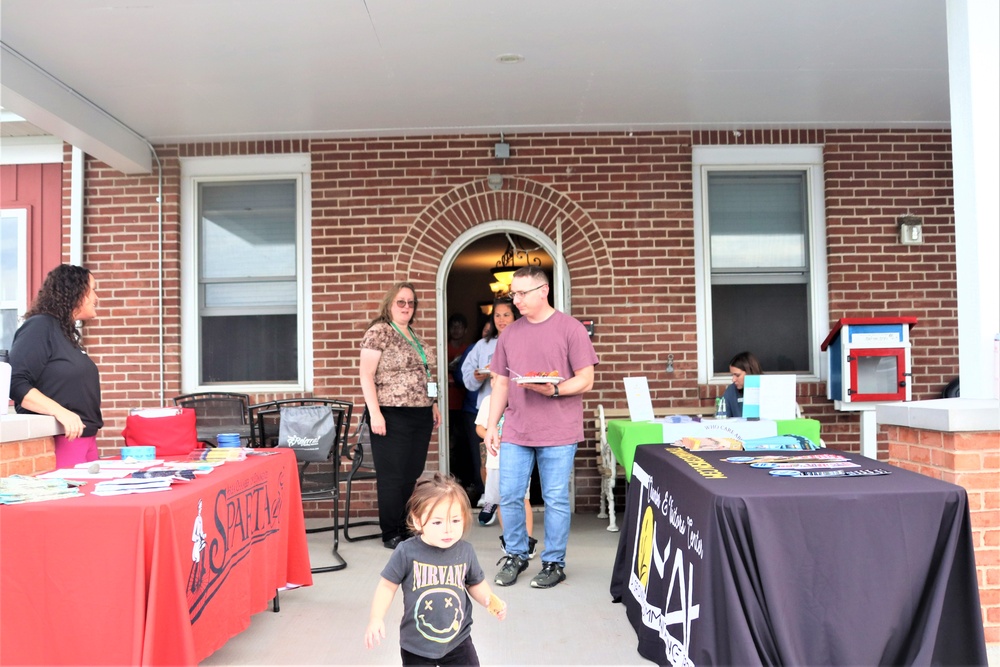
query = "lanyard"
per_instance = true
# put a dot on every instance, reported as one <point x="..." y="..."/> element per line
<point x="415" y="344"/>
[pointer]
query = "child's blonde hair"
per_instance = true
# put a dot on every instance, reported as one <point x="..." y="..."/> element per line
<point x="431" y="491"/>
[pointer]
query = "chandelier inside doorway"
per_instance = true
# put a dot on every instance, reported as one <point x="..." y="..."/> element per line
<point x="510" y="261"/>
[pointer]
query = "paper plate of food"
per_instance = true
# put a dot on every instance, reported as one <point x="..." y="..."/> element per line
<point x="552" y="377"/>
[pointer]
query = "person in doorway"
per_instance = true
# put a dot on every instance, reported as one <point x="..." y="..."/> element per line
<point x="543" y="421"/>
<point x="476" y="371"/>
<point x="458" y="440"/>
<point x="740" y="366"/>
<point x="401" y="399"/>
<point x="490" y="511"/>
<point x="51" y="373"/>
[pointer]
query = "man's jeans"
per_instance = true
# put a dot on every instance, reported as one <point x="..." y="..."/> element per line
<point x="555" y="465"/>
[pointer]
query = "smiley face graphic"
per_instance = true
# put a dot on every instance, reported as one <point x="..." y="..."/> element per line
<point x="439" y="614"/>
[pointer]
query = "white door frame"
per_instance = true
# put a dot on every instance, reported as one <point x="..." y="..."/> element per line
<point x="560" y="295"/>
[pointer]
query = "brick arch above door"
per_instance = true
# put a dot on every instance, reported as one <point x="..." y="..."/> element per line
<point x="583" y="245"/>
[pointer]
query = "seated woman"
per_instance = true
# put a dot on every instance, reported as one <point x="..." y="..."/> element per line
<point x="740" y="366"/>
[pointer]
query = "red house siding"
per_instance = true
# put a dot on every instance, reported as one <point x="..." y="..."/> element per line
<point x="39" y="189"/>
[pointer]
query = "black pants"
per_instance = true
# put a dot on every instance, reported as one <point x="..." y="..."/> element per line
<point x="400" y="456"/>
<point x="461" y="464"/>
<point x="463" y="654"/>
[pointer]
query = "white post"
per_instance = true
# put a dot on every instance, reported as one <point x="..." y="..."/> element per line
<point x="869" y="433"/>
<point x="974" y="80"/>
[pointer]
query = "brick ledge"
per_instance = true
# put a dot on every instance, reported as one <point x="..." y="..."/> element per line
<point x="948" y="415"/>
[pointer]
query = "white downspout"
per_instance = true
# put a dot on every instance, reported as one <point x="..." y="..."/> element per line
<point x="159" y="267"/>
<point x="76" y="208"/>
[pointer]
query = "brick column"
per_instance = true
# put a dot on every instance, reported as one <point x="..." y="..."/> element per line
<point x="970" y="459"/>
<point x="27" y="457"/>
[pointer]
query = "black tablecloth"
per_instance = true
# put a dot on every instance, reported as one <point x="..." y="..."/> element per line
<point x="722" y="564"/>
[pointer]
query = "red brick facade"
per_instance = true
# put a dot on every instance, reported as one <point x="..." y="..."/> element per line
<point x="27" y="457"/>
<point x="971" y="460"/>
<point x="385" y="209"/>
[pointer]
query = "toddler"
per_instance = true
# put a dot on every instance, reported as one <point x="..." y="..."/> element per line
<point x="439" y="572"/>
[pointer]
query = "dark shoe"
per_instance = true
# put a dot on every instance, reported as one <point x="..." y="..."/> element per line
<point x="512" y="566"/>
<point x="488" y="514"/>
<point x="532" y="544"/>
<point x="394" y="542"/>
<point x="551" y="574"/>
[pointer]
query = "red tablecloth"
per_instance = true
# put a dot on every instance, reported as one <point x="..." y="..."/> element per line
<point x="155" y="579"/>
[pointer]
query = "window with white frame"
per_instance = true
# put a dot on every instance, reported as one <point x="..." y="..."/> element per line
<point x="13" y="272"/>
<point x="760" y="257"/>
<point x="245" y="321"/>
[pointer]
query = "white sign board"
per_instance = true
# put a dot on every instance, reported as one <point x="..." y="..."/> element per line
<point x="640" y="405"/>
<point x="769" y="397"/>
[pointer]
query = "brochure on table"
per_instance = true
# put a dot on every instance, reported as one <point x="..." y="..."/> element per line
<point x="740" y="429"/>
<point x="769" y="397"/>
<point x="640" y="404"/>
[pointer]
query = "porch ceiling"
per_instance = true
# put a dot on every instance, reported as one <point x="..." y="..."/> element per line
<point x="207" y="70"/>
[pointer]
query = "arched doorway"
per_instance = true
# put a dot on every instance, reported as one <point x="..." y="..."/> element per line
<point x="547" y="217"/>
<point x="472" y="255"/>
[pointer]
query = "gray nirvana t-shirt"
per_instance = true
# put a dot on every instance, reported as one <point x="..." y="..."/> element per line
<point x="437" y="609"/>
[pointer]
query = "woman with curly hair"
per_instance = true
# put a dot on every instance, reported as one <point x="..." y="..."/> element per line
<point x="401" y="403"/>
<point x="51" y="374"/>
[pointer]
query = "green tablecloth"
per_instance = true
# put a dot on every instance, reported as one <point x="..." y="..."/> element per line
<point x="624" y="436"/>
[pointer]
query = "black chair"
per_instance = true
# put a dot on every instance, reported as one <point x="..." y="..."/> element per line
<point x="319" y="480"/>
<point x="362" y="468"/>
<point x="218" y="412"/>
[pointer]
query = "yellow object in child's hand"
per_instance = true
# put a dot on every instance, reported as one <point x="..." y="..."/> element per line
<point x="496" y="606"/>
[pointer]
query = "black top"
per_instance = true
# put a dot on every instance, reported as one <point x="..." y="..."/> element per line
<point x="41" y="357"/>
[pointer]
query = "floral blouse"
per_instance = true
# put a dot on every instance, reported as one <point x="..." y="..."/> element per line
<point x="400" y="378"/>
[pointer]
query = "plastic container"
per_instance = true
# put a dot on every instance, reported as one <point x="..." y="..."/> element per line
<point x="4" y="382"/>
<point x="228" y="440"/>
<point x="144" y="453"/>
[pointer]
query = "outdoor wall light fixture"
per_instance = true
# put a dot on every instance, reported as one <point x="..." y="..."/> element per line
<point x="911" y="229"/>
<point x="503" y="272"/>
<point x="495" y="181"/>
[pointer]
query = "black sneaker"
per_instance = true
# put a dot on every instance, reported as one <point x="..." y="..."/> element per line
<point x="512" y="566"/>
<point x="488" y="514"/>
<point x="532" y="544"/>
<point x="551" y="574"/>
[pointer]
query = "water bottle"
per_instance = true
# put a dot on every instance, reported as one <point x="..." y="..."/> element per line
<point x="4" y="382"/>
<point x="720" y="408"/>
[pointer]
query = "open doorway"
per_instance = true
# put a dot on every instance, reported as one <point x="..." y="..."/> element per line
<point x="469" y="294"/>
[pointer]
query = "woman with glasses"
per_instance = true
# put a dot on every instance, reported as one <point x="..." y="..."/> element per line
<point x="401" y="405"/>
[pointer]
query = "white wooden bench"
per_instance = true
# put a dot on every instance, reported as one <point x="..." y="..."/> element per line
<point x="607" y="465"/>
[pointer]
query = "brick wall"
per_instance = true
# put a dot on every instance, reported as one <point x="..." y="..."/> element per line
<point x="27" y="457"/>
<point x="384" y="209"/>
<point x="972" y="461"/>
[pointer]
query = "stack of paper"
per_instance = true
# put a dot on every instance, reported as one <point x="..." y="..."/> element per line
<point x="22" y="489"/>
<point x="84" y="473"/>
<point x="218" y="454"/>
<point x="118" y="487"/>
<point x="122" y="464"/>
